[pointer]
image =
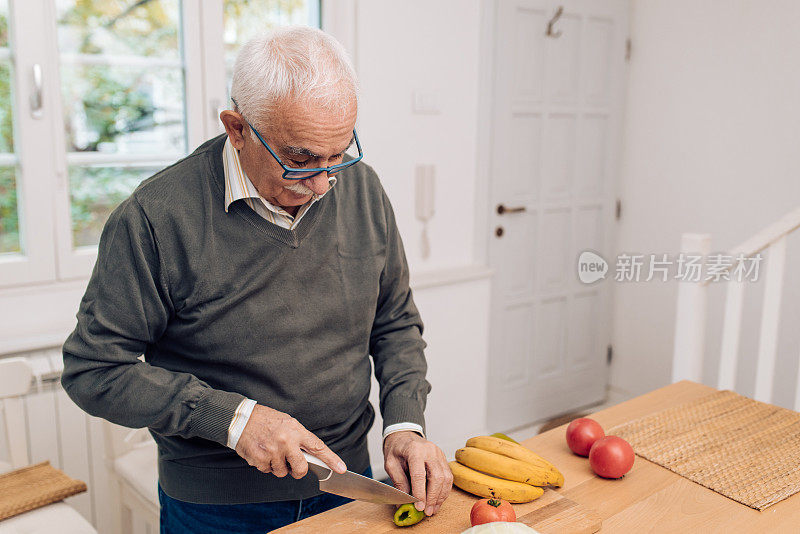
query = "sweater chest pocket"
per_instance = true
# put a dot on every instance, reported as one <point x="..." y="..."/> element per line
<point x="360" y="272"/>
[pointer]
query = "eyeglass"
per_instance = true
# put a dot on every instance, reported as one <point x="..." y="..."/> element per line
<point x="290" y="173"/>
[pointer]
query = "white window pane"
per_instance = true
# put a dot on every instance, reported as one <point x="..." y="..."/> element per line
<point x="123" y="94"/>
<point x="95" y="192"/>
<point x="123" y="109"/>
<point x="4" y="24"/>
<point x="9" y="219"/>
<point x="119" y="27"/>
<point x="10" y="241"/>
<point x="6" y="112"/>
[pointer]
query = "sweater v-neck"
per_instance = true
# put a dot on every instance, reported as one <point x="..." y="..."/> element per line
<point x="292" y="238"/>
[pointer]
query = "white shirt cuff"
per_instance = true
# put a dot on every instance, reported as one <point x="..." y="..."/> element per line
<point x="239" y="421"/>
<point x="397" y="427"/>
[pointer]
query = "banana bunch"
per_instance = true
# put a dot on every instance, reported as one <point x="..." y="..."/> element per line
<point x="494" y="467"/>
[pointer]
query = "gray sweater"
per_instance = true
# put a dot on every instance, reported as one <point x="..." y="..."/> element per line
<point x="228" y="305"/>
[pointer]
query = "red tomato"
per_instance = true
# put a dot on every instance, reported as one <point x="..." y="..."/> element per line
<point x="611" y="457"/>
<point x="581" y="435"/>
<point x="490" y="510"/>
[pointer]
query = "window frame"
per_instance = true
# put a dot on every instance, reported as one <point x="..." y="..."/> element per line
<point x="36" y="263"/>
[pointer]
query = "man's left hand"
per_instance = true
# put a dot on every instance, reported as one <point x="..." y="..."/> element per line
<point x="431" y="478"/>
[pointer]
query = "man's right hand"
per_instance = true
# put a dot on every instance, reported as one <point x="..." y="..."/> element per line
<point x="273" y="442"/>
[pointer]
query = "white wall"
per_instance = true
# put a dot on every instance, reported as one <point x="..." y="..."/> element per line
<point x="417" y="45"/>
<point x="710" y="145"/>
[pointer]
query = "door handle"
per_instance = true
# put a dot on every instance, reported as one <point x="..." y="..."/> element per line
<point x="501" y="209"/>
<point x="550" y="32"/>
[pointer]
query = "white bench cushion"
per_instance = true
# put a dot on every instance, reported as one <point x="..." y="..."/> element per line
<point x="57" y="517"/>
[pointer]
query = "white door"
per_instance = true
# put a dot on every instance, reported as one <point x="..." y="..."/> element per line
<point x="555" y="144"/>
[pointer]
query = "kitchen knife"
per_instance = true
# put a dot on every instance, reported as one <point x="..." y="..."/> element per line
<point x="355" y="486"/>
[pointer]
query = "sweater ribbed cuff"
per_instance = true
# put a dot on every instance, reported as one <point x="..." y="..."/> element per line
<point x="213" y="414"/>
<point x="402" y="409"/>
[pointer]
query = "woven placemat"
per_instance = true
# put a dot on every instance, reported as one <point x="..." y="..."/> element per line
<point x="746" y="450"/>
<point x="33" y="487"/>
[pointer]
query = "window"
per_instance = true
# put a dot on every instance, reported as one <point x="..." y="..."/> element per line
<point x="96" y="98"/>
<point x="122" y="94"/>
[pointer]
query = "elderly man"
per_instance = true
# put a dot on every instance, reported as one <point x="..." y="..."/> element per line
<point x="256" y="276"/>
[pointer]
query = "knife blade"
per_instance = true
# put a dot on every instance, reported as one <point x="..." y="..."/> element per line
<point x="355" y="486"/>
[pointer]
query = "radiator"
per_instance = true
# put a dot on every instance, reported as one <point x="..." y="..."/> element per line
<point x="71" y="440"/>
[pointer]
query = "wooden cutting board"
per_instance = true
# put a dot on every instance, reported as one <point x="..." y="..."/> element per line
<point x="551" y="513"/>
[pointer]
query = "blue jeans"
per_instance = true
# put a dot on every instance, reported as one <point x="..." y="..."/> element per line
<point x="179" y="517"/>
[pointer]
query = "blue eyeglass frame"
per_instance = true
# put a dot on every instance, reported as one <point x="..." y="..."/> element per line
<point x="289" y="171"/>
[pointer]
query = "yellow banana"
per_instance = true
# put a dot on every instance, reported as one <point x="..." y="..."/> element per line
<point x="503" y="436"/>
<point x="504" y="467"/>
<point x="517" y="452"/>
<point x="483" y="485"/>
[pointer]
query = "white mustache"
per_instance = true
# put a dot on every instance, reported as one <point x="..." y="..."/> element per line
<point x="299" y="188"/>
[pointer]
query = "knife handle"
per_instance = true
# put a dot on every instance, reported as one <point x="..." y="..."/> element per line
<point x="316" y="461"/>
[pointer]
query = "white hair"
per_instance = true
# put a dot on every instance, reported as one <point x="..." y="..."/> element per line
<point x="292" y="62"/>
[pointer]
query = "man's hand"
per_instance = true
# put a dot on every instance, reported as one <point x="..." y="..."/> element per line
<point x="273" y="442"/>
<point x="431" y="479"/>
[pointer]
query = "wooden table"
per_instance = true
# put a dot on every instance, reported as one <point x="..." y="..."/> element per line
<point x="648" y="499"/>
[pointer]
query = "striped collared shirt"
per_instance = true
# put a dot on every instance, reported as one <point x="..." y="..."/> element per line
<point x="239" y="187"/>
